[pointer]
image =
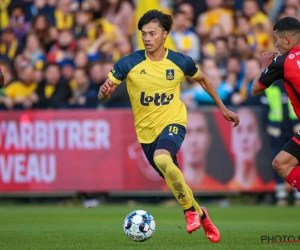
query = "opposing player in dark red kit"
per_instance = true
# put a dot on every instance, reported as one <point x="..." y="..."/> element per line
<point x="287" y="68"/>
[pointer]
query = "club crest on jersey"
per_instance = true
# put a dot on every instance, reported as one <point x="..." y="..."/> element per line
<point x="170" y="74"/>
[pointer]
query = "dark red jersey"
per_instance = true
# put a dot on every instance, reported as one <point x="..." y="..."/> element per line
<point x="287" y="68"/>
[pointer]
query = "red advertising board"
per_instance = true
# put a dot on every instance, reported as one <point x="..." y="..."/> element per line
<point x="97" y="151"/>
<point x="61" y="151"/>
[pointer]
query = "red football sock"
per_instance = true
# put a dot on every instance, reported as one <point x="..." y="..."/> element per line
<point x="294" y="178"/>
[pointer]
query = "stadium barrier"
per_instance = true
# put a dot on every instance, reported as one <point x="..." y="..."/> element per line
<point x="96" y="151"/>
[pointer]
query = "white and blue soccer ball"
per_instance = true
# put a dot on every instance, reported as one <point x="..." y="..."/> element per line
<point x="139" y="225"/>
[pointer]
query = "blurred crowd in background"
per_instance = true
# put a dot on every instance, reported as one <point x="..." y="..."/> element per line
<point x="56" y="54"/>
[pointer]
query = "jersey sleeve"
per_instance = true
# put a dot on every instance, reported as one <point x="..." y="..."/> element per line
<point x="191" y="68"/>
<point x="119" y="71"/>
<point x="273" y="72"/>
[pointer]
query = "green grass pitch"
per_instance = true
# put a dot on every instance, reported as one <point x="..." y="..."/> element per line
<point x="58" y="227"/>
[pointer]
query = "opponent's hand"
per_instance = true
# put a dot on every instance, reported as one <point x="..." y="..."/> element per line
<point x="267" y="58"/>
<point x="231" y="116"/>
<point x="277" y="53"/>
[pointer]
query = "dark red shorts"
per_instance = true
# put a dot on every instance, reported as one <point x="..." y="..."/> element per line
<point x="293" y="146"/>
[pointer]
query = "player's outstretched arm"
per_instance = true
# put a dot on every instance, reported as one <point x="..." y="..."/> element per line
<point x="256" y="88"/>
<point x="207" y="85"/>
<point x="1" y="79"/>
<point x="106" y="89"/>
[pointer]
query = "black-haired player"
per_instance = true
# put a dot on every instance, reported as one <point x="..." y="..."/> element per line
<point x="287" y="68"/>
<point x="153" y="79"/>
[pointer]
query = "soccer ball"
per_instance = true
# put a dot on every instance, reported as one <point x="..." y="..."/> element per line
<point x="139" y="225"/>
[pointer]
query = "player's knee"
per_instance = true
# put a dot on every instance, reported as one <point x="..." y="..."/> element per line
<point x="277" y="165"/>
<point x="165" y="164"/>
<point x="161" y="161"/>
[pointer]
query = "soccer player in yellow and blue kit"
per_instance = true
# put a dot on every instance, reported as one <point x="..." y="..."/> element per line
<point x="153" y="80"/>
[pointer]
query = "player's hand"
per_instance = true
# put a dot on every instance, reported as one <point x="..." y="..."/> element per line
<point x="231" y="116"/>
<point x="107" y="88"/>
<point x="267" y="58"/>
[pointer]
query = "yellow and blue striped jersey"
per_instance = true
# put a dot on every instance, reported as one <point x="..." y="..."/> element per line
<point x="154" y="90"/>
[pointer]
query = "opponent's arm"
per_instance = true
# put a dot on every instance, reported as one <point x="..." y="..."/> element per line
<point x="207" y="85"/>
<point x="257" y="87"/>
<point x="107" y="89"/>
